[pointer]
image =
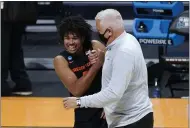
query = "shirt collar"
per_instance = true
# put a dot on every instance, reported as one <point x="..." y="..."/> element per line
<point x="116" y="41"/>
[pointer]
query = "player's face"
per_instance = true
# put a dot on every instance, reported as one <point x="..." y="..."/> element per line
<point x="72" y="43"/>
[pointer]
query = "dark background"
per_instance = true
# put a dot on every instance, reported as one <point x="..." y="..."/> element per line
<point x="40" y="42"/>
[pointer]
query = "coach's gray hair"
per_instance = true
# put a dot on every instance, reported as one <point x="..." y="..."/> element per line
<point x="110" y="18"/>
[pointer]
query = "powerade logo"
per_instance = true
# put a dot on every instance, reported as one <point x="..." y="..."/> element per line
<point x="155" y="41"/>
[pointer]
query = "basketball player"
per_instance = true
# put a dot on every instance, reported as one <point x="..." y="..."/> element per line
<point x="76" y="68"/>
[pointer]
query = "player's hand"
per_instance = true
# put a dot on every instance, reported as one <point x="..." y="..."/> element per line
<point x="101" y="56"/>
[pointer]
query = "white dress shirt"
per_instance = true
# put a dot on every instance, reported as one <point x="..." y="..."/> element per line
<point x="124" y="95"/>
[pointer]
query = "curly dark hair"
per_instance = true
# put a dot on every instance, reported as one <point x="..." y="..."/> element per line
<point x="76" y="25"/>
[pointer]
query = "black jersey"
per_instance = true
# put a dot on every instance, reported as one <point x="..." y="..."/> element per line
<point x="80" y="65"/>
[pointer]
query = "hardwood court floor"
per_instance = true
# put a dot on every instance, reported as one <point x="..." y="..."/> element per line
<point x="49" y="112"/>
<point x="35" y="112"/>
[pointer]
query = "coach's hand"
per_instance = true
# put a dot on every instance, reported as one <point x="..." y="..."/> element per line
<point x="70" y="102"/>
<point x="93" y="56"/>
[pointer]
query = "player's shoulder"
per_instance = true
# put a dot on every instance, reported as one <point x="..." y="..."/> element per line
<point x="97" y="45"/>
<point x="95" y="42"/>
<point x="59" y="59"/>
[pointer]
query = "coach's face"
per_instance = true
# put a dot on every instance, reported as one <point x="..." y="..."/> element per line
<point x="72" y="43"/>
<point x="98" y="25"/>
<point x="104" y="35"/>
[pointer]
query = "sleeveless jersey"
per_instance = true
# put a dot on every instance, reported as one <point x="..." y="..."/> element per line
<point x="80" y="65"/>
